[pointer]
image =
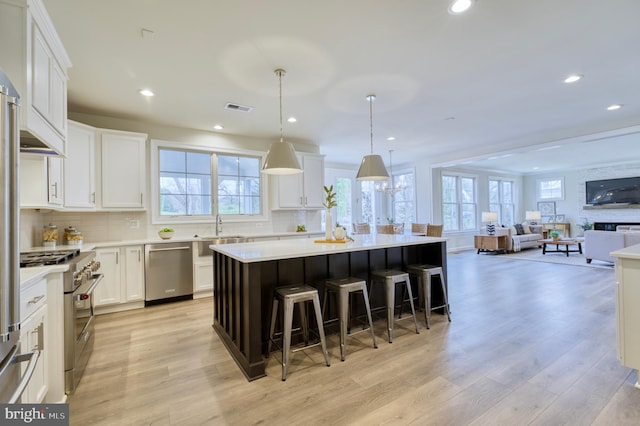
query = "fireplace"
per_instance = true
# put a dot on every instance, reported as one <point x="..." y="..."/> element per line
<point x="611" y="226"/>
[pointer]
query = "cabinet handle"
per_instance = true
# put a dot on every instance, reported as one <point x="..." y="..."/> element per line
<point x="117" y="258"/>
<point x="141" y="198"/>
<point x="55" y="186"/>
<point x="139" y="256"/>
<point x="36" y="299"/>
<point x="93" y="197"/>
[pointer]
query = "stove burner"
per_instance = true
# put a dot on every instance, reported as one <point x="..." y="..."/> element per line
<point x="41" y="258"/>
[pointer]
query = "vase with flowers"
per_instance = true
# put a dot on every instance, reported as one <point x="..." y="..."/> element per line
<point x="329" y="203"/>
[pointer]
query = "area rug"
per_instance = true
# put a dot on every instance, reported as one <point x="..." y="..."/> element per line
<point x="577" y="259"/>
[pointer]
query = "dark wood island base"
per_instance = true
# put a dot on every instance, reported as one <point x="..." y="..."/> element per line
<point x="243" y="288"/>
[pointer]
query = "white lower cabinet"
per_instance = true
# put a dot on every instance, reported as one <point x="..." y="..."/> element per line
<point x="33" y="310"/>
<point x="123" y="285"/>
<point x="202" y="273"/>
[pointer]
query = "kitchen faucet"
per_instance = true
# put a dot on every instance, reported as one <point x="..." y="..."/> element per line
<point x="218" y="224"/>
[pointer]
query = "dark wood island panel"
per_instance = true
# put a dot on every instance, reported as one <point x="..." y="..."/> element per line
<point x="243" y="290"/>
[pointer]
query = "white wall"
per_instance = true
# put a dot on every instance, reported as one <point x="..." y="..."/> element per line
<point x="573" y="206"/>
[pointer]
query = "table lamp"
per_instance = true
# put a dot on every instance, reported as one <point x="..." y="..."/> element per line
<point x="532" y="216"/>
<point x="488" y="218"/>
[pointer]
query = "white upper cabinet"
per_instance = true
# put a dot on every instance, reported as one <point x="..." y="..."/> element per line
<point x="123" y="163"/>
<point x="79" y="167"/>
<point x="301" y="191"/>
<point x="41" y="181"/>
<point x="36" y="62"/>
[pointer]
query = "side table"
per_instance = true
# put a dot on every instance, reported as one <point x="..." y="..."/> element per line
<point x="492" y="243"/>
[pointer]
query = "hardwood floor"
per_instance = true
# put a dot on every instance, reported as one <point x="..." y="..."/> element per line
<point x="529" y="343"/>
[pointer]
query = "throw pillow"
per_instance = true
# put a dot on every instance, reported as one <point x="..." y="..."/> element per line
<point x="519" y="229"/>
<point x="527" y="228"/>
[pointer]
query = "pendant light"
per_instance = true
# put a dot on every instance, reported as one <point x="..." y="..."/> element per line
<point x="281" y="158"/>
<point x="372" y="166"/>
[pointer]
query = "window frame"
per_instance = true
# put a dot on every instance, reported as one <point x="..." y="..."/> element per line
<point x="158" y="219"/>
<point x="396" y="173"/>
<point x="459" y="203"/>
<point x="539" y="183"/>
<point x="502" y="205"/>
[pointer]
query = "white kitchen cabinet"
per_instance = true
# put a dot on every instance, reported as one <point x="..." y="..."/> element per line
<point x="41" y="182"/>
<point x="301" y="191"/>
<point x="123" y="169"/>
<point x="36" y="62"/>
<point x="627" y="313"/>
<point x="123" y="285"/>
<point x="80" y="167"/>
<point x="202" y="272"/>
<point x="33" y="313"/>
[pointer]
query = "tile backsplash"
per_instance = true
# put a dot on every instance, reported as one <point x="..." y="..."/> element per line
<point x="121" y="226"/>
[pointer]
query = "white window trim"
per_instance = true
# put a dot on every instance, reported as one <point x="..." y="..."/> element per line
<point x="459" y="175"/>
<point x="513" y="194"/>
<point x="538" y="181"/>
<point x="157" y="219"/>
<point x="405" y="171"/>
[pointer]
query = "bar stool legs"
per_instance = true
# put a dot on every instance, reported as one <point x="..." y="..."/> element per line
<point x="290" y="296"/>
<point x="391" y="278"/>
<point x="425" y="274"/>
<point x="343" y="287"/>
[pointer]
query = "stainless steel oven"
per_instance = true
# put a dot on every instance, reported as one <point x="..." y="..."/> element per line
<point x="79" y="283"/>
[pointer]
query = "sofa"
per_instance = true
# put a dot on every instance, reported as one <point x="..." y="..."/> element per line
<point x="529" y="237"/>
<point x="598" y="244"/>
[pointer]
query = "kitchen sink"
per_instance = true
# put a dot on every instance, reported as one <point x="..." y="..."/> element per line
<point x="205" y="242"/>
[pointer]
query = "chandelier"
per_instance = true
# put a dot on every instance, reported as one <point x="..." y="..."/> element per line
<point x="389" y="187"/>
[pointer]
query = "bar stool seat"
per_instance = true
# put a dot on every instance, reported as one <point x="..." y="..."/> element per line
<point x="289" y="296"/>
<point x="344" y="287"/>
<point x="425" y="272"/>
<point x="391" y="277"/>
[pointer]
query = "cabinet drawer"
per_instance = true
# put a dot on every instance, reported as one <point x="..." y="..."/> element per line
<point x="32" y="297"/>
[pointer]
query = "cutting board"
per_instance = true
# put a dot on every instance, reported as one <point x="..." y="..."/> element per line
<point x="331" y="241"/>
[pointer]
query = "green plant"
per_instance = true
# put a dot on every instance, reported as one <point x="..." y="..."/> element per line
<point x="554" y="234"/>
<point x="390" y="221"/>
<point x="586" y="225"/>
<point x="166" y="230"/>
<point x="301" y="228"/>
<point x="329" y="197"/>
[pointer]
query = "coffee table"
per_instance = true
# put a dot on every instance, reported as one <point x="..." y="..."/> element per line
<point x="566" y="242"/>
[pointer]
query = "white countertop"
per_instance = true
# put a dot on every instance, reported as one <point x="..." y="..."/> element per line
<point x="631" y="252"/>
<point x="285" y="249"/>
<point x="35" y="273"/>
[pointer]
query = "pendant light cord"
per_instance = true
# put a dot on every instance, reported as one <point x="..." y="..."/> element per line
<point x="371" y="98"/>
<point x="280" y="72"/>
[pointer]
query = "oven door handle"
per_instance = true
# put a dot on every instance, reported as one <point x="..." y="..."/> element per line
<point x="83" y="295"/>
<point x="32" y="357"/>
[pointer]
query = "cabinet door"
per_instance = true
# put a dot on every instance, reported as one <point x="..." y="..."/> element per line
<point x="109" y="290"/>
<point x="41" y="83"/>
<point x="313" y="178"/>
<point x="123" y="169"/>
<point x="56" y="189"/>
<point x="79" y="170"/>
<point x="202" y="276"/>
<point x="134" y="273"/>
<point x="290" y="191"/>
<point x="32" y="338"/>
<point x="58" y="98"/>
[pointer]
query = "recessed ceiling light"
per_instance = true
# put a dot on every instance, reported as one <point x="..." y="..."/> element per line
<point x="391" y="138"/>
<point x="460" y="6"/>
<point x="218" y="127"/>
<point x="535" y="168"/>
<point x="147" y="92"/>
<point x="546" y="148"/>
<point x="292" y="119"/>
<point x="573" y="78"/>
<point x="614" y="107"/>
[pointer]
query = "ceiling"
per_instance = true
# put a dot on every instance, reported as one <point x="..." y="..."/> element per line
<point x="450" y="88"/>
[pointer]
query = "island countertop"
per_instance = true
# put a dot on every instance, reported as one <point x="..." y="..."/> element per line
<point x="290" y="249"/>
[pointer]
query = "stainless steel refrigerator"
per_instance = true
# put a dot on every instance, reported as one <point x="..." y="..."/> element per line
<point x="12" y="379"/>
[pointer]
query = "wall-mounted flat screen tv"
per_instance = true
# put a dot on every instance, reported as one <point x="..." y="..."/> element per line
<point x="613" y="191"/>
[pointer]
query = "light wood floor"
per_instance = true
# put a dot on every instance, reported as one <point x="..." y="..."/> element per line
<point x="530" y="343"/>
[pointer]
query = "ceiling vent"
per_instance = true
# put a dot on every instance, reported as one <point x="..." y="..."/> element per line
<point x="236" y="107"/>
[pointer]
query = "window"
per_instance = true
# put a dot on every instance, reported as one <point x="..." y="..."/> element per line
<point x="550" y="189"/>
<point x="458" y="203"/>
<point x="187" y="179"/>
<point x="368" y="206"/>
<point x="185" y="183"/>
<point x="238" y="185"/>
<point x="343" y="198"/>
<point x="501" y="198"/>
<point x="403" y="201"/>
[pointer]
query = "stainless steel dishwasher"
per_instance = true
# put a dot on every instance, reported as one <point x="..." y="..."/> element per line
<point x="168" y="271"/>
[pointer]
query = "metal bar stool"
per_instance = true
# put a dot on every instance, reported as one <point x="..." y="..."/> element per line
<point x="344" y="287"/>
<point x="290" y="296"/>
<point x="390" y="278"/>
<point x="424" y="273"/>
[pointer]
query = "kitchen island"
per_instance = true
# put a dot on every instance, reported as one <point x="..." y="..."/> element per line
<point x="246" y="275"/>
